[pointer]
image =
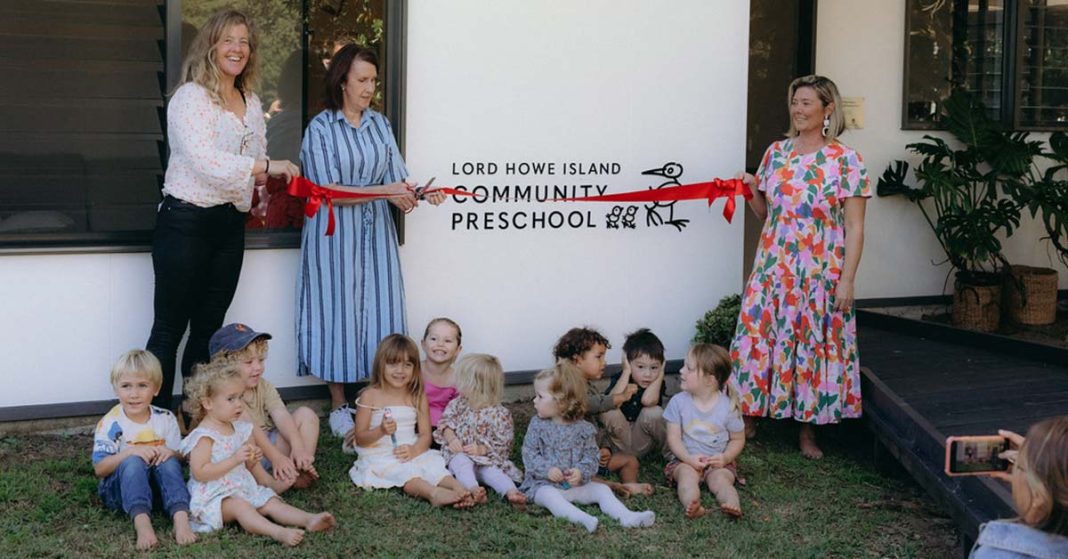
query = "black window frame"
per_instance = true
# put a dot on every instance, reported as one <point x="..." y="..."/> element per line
<point x="1012" y="52"/>
<point x="111" y="242"/>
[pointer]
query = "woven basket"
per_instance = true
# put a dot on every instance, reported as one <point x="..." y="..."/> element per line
<point x="1032" y="297"/>
<point x="976" y="307"/>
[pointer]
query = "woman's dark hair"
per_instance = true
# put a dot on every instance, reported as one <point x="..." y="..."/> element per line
<point x="338" y="73"/>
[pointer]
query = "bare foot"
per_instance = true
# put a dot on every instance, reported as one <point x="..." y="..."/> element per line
<point x="639" y="488"/>
<point x="183" y="533"/>
<point x="467" y="501"/>
<point x="478" y="494"/>
<point x="304" y="480"/>
<point x="616" y="487"/>
<point x="695" y="510"/>
<point x="146" y="536"/>
<point x="321" y="522"/>
<point x="809" y="448"/>
<point x="290" y="537"/>
<point x="440" y="497"/>
<point x="731" y="510"/>
<point x="516" y="498"/>
<point x="750" y="427"/>
<point x="807" y="440"/>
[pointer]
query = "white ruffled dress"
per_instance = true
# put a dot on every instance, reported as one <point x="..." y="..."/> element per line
<point x="205" y="504"/>
<point x="377" y="468"/>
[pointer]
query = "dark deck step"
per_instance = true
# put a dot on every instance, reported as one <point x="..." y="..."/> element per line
<point x="923" y="383"/>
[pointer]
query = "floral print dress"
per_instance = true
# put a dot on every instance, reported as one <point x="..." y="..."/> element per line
<point x="792" y="355"/>
<point x="205" y="506"/>
<point x="490" y="427"/>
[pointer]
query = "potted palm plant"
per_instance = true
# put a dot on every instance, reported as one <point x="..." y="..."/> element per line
<point x="960" y="192"/>
<point x="1032" y="297"/>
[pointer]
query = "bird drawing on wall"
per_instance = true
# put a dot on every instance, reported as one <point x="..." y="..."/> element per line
<point x="612" y="218"/>
<point x="671" y="171"/>
<point x="628" y="217"/>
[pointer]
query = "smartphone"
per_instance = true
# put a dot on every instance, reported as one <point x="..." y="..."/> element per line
<point x="976" y="455"/>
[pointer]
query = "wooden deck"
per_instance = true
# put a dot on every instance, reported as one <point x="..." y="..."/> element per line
<point x="923" y="382"/>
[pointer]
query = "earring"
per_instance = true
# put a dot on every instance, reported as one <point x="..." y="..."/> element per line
<point x="826" y="126"/>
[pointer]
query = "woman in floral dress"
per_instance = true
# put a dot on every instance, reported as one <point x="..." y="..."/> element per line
<point x="795" y="347"/>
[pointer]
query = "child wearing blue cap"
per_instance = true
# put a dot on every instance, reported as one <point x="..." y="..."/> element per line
<point x="288" y="440"/>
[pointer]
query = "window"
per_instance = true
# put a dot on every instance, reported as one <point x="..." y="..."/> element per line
<point x="82" y="109"/>
<point x="1012" y="53"/>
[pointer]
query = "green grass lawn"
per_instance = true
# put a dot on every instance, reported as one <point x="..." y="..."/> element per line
<point x="841" y="506"/>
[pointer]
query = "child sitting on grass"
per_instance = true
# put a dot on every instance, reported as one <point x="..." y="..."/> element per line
<point x="441" y="344"/>
<point x="705" y="432"/>
<point x="636" y="427"/>
<point x="227" y="482"/>
<point x="585" y="348"/>
<point x="476" y="432"/>
<point x="560" y="454"/>
<point x="135" y="450"/>
<point x="392" y="433"/>
<point x="287" y="440"/>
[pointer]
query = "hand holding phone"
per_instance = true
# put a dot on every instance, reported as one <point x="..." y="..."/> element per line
<point x="976" y="455"/>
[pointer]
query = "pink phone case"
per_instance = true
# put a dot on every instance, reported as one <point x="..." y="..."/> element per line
<point x="998" y="440"/>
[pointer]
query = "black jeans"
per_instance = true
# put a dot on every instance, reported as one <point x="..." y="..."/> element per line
<point x="196" y="255"/>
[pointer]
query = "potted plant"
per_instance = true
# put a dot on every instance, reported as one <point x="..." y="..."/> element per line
<point x="717" y="326"/>
<point x="1032" y="297"/>
<point x="961" y="195"/>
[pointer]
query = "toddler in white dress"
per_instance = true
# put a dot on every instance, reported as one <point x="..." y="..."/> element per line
<point x="226" y="476"/>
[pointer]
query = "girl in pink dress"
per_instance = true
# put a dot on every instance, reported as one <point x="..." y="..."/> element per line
<point x="441" y="345"/>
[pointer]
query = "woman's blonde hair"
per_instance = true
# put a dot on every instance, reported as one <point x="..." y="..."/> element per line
<point x="480" y="379"/>
<point x="199" y="65"/>
<point x="207" y="379"/>
<point x="711" y="359"/>
<point x="567" y="386"/>
<point x="137" y="362"/>
<point x="827" y="93"/>
<point x="397" y="348"/>
<point x="1045" y="462"/>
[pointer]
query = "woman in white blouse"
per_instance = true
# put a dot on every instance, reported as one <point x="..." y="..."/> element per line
<point x="216" y="134"/>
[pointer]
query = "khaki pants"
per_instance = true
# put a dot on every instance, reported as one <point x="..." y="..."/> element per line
<point x="638" y="438"/>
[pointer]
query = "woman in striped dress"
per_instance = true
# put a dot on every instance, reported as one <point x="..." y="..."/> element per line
<point x="350" y="293"/>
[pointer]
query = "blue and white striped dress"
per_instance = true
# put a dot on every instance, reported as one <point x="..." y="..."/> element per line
<point x="350" y="293"/>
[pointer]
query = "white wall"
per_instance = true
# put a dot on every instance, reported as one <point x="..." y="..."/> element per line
<point x="633" y="82"/>
<point x="68" y="317"/>
<point x="860" y="45"/>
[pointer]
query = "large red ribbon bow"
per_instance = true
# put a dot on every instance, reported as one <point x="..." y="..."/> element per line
<point x="716" y="188"/>
<point x="301" y="187"/>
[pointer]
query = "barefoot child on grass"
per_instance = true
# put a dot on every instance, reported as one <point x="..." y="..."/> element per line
<point x="705" y="432"/>
<point x="560" y="454"/>
<point x="135" y="450"/>
<point x="585" y="348"/>
<point x="476" y="431"/>
<point x="287" y="440"/>
<point x="392" y="433"/>
<point x="636" y="427"/>
<point x="227" y="481"/>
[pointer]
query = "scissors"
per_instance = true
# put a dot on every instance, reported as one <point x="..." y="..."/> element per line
<point x="420" y="191"/>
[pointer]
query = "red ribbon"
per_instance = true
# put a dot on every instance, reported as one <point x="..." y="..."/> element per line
<point x="716" y="188"/>
<point x="301" y="187"/>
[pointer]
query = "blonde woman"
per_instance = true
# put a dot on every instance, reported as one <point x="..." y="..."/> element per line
<point x="216" y="135"/>
<point x="795" y="350"/>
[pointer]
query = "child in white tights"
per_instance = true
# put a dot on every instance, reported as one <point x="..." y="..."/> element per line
<point x="561" y="457"/>
<point x="476" y="432"/>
